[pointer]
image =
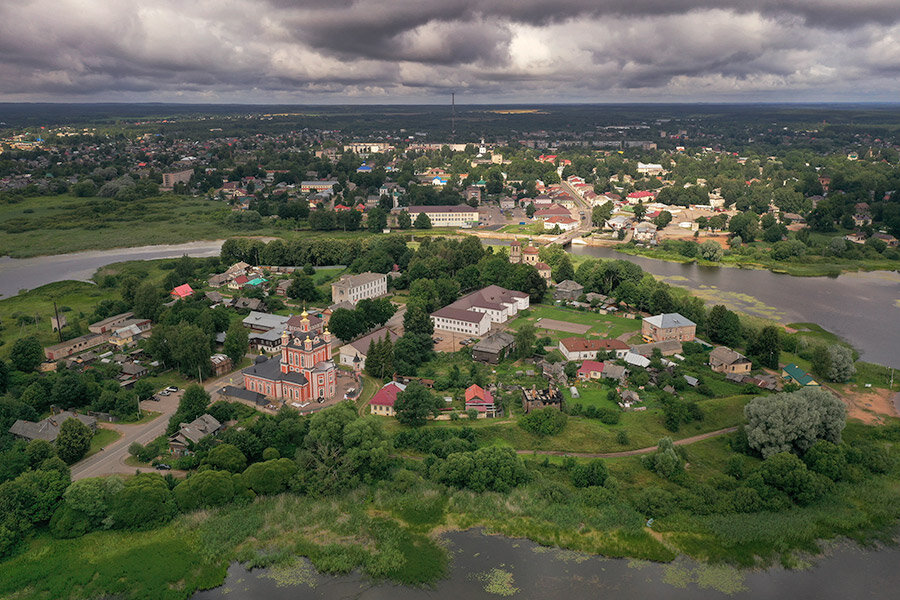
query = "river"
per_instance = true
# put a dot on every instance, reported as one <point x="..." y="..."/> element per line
<point x="550" y="574"/>
<point x="28" y="273"/>
<point x="863" y="308"/>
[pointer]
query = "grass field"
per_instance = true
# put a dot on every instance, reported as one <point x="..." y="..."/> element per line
<point x="59" y="224"/>
<point x="605" y="326"/>
<point x="101" y="439"/>
<point x="645" y="429"/>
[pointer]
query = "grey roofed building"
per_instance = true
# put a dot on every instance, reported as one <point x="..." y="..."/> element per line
<point x="669" y="320"/>
<point x="613" y="371"/>
<point x="493" y="347"/>
<point x="215" y="297"/>
<point x="568" y="290"/>
<point x="691" y="381"/>
<point x="270" y="369"/>
<point x="264" y="322"/>
<point x="134" y="369"/>
<point x="48" y="429"/>
<point x="191" y="433"/>
<point x="637" y="360"/>
<point x="721" y="357"/>
<point x="253" y="304"/>
<point x="666" y="347"/>
<point x="231" y="391"/>
<point x="218" y="280"/>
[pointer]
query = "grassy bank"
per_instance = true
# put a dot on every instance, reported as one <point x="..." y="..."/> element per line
<point x="389" y="530"/>
<point x="60" y="224"/>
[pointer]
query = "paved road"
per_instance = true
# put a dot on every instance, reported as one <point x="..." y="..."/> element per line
<point x="111" y="460"/>
<point x="681" y="442"/>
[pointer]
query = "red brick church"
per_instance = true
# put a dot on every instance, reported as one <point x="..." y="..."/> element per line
<point x="301" y="373"/>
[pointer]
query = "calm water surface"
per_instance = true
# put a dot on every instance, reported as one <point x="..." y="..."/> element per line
<point x="848" y="573"/>
<point x="28" y="273"/>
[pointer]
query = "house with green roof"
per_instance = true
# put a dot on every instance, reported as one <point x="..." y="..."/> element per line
<point x="791" y="373"/>
<point x="255" y="282"/>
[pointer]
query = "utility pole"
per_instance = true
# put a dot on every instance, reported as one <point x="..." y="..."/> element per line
<point x="58" y="324"/>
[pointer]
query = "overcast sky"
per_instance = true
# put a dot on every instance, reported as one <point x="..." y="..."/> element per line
<point x="386" y="51"/>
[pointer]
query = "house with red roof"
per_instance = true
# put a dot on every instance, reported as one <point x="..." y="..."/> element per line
<point x="382" y="403"/>
<point x="564" y="223"/>
<point x="554" y="210"/>
<point x="642" y="196"/>
<point x="482" y="400"/>
<point x="181" y="292"/>
<point x="238" y="282"/>
<point x="590" y="369"/>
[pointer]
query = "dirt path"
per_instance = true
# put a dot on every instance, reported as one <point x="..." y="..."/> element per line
<point x="869" y="405"/>
<point x="681" y="442"/>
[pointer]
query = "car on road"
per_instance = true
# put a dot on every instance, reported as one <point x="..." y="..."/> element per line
<point x="163" y="467"/>
<point x="171" y="389"/>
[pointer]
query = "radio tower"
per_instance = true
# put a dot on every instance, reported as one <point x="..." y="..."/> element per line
<point x="453" y="116"/>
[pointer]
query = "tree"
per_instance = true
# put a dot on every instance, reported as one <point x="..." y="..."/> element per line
<point x="711" y="250"/>
<point x="345" y="324"/>
<point x="411" y="350"/>
<point x="525" y="339"/>
<point x="840" y="363"/>
<point x="4" y="376"/>
<point x="564" y="270"/>
<point x="666" y="461"/>
<point x="414" y="405"/>
<point x="127" y="404"/>
<point x="403" y="220"/>
<point x="26" y="354"/>
<point x="93" y="497"/>
<point x="601" y="214"/>
<point x="237" y="342"/>
<point x="144" y="389"/>
<point x="340" y="451"/>
<point x="723" y="326"/>
<point x="744" y="225"/>
<point x="192" y="404"/>
<point x="593" y="473"/>
<point x="377" y="219"/>
<point x="663" y="219"/>
<point x="205" y="489"/>
<point x="415" y="320"/>
<point x="73" y="441"/>
<point x="486" y="469"/>
<point x="145" y="502"/>
<point x="303" y="288"/>
<point x="191" y="349"/>
<point x="227" y="457"/>
<point x="794" y="421"/>
<point x="640" y="210"/>
<point x="147" y="301"/>
<point x="766" y="346"/>
<point x="422" y="221"/>
<point x="530" y="210"/>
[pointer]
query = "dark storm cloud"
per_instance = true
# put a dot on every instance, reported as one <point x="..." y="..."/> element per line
<point x="530" y="50"/>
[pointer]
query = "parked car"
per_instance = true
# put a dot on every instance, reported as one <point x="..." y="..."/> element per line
<point x="165" y="393"/>
<point x="163" y="467"/>
<point x="171" y="389"/>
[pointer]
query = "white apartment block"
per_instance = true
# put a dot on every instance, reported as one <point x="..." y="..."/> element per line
<point x="353" y="288"/>
<point x="460" y="215"/>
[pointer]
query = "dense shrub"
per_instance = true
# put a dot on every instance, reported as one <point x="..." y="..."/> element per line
<point x="593" y="473"/>
<point x="544" y="421"/>
<point x="485" y="469"/>
<point x="144" y="502"/>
